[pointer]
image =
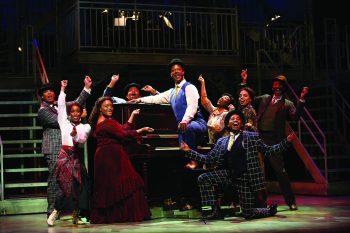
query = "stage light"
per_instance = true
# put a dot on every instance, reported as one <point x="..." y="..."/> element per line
<point x="104" y="11"/>
<point x="166" y="20"/>
<point x="19" y="49"/>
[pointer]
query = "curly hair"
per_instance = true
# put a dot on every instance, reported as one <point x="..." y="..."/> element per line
<point x="95" y="113"/>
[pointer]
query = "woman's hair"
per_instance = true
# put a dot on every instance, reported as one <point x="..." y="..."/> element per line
<point x="250" y="91"/>
<point x="69" y="107"/>
<point x="95" y="113"/>
<point x="232" y="100"/>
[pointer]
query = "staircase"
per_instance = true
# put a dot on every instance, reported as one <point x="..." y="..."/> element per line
<point x="23" y="168"/>
<point x="331" y="112"/>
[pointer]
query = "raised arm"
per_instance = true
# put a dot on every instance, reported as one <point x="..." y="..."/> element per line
<point x="62" y="108"/>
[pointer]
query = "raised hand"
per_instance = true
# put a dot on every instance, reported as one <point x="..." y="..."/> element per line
<point x="64" y="84"/>
<point x="304" y="92"/>
<point x="291" y="137"/>
<point x="244" y="76"/>
<point x="149" y="89"/>
<point x="201" y="79"/>
<point x="87" y="82"/>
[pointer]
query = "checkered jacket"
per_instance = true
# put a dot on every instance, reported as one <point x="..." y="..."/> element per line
<point x="47" y="116"/>
<point x="252" y="144"/>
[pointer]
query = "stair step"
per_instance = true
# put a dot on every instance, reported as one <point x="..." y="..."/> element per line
<point x="16" y="156"/>
<point x="11" y="115"/>
<point x="20" y="128"/>
<point x="21" y="141"/>
<point x="19" y="102"/>
<point x="26" y="185"/>
<point x="34" y="169"/>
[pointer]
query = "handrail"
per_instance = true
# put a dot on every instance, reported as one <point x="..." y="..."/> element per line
<point x="343" y="108"/>
<point x="323" y="147"/>
<point x="2" y="169"/>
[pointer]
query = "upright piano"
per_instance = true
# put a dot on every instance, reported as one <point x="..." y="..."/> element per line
<point x="156" y="156"/>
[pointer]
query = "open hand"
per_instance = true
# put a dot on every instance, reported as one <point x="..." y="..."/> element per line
<point x="87" y="82"/>
<point x="291" y="137"/>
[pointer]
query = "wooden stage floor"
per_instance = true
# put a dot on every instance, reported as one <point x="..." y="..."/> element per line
<point x="316" y="214"/>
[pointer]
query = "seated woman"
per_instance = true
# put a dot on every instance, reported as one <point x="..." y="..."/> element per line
<point x="71" y="173"/>
<point x="118" y="194"/>
<point x="216" y="126"/>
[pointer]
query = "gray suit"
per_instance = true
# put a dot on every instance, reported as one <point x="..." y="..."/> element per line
<point x="51" y="145"/>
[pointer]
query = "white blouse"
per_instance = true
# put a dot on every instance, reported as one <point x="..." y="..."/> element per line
<point x="66" y="126"/>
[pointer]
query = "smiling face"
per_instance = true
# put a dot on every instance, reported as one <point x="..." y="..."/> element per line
<point x="48" y="96"/>
<point x="106" y="109"/>
<point x="75" y="114"/>
<point x="235" y="123"/>
<point x="244" y="98"/>
<point x="223" y="101"/>
<point x="177" y="73"/>
<point x="277" y="88"/>
<point x="133" y="93"/>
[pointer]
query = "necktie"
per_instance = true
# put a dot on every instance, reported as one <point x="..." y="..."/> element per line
<point x="231" y="141"/>
<point x="176" y="91"/>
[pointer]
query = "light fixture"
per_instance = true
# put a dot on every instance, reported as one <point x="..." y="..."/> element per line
<point x="19" y="49"/>
<point x="275" y="18"/>
<point x="120" y="21"/>
<point x="166" y="20"/>
<point x="104" y="11"/>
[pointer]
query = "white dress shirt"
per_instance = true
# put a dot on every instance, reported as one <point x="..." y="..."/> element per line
<point x="66" y="126"/>
<point x="192" y="97"/>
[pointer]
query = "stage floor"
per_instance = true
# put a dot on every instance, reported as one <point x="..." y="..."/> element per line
<point x="315" y="214"/>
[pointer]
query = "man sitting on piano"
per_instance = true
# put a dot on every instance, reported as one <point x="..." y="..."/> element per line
<point x="131" y="91"/>
<point x="183" y="98"/>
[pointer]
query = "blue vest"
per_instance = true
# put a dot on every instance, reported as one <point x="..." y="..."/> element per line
<point x="179" y="104"/>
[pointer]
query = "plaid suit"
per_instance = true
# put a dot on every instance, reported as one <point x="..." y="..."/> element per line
<point x="250" y="181"/>
<point x="51" y="145"/>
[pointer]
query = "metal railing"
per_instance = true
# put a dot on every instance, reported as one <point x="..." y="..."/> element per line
<point x="2" y="169"/>
<point x="134" y="28"/>
<point x="342" y="113"/>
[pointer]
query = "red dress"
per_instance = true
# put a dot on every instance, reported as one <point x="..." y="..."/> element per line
<point x="118" y="194"/>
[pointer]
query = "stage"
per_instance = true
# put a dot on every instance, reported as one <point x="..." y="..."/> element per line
<point x="315" y="214"/>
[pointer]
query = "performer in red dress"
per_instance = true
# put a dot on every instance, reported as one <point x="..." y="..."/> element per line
<point x="118" y="193"/>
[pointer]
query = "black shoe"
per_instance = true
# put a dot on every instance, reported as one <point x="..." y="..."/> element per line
<point x="293" y="207"/>
<point x="272" y="209"/>
<point x="213" y="215"/>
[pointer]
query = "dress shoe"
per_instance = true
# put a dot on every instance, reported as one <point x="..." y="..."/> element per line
<point x="52" y="218"/>
<point x="212" y="215"/>
<point x="272" y="209"/>
<point x="75" y="216"/>
<point x="293" y="207"/>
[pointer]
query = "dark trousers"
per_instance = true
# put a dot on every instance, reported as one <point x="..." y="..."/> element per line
<point x="277" y="164"/>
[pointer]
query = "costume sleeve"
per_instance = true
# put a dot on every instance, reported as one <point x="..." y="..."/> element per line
<point x="48" y="118"/>
<point x="161" y="98"/>
<point x="192" y="97"/>
<point x="117" y="131"/>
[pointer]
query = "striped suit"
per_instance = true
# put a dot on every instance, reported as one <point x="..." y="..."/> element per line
<point x="51" y="144"/>
<point x="249" y="181"/>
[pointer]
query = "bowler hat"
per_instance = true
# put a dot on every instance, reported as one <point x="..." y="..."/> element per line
<point x="127" y="87"/>
<point x="176" y="61"/>
<point x="45" y="87"/>
<point x="280" y="78"/>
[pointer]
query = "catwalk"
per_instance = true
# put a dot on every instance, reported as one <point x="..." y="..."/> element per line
<point x="315" y="214"/>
